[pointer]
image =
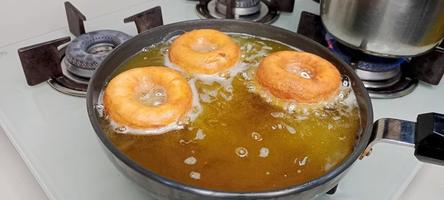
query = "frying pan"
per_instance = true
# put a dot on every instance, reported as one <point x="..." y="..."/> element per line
<point x="428" y="136"/>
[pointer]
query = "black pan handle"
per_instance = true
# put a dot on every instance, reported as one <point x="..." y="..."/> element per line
<point x="429" y="138"/>
<point x="426" y="136"/>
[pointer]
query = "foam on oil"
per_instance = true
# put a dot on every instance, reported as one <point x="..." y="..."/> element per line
<point x="239" y="138"/>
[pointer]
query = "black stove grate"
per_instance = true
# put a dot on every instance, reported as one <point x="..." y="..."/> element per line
<point x="44" y="61"/>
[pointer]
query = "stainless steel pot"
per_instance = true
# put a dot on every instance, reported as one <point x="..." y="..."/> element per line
<point x="428" y="137"/>
<point x="392" y="28"/>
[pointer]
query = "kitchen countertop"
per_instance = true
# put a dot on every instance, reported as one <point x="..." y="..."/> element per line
<point x="37" y="18"/>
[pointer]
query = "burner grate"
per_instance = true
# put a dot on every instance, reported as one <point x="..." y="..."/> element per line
<point x="49" y="61"/>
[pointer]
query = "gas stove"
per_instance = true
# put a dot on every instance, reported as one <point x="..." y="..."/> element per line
<point x="52" y="133"/>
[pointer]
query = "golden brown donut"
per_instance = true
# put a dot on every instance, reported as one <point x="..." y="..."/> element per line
<point x="299" y="76"/>
<point x="204" y="51"/>
<point x="147" y="97"/>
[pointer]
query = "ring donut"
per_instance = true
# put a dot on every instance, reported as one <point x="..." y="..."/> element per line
<point x="204" y="51"/>
<point x="147" y="97"/>
<point x="299" y="76"/>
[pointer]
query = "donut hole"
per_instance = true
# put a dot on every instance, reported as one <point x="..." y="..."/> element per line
<point x="150" y="94"/>
<point x="300" y="69"/>
<point x="154" y="97"/>
<point x="203" y="45"/>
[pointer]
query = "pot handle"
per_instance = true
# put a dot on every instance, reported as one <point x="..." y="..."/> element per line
<point x="426" y="135"/>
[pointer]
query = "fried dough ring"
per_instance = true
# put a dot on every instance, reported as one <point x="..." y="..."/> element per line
<point x="299" y="76"/>
<point x="124" y="103"/>
<point x="204" y="51"/>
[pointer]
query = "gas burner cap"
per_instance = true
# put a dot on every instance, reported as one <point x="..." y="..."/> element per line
<point x="81" y="57"/>
<point x="244" y="10"/>
<point x="377" y="76"/>
<point x="382" y="83"/>
<point x="403" y="87"/>
<point x="85" y="53"/>
<point x="241" y="7"/>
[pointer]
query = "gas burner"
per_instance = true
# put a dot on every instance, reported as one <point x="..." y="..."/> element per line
<point x="85" y="53"/>
<point x="67" y="67"/>
<point x="250" y="10"/>
<point x="361" y="60"/>
<point x="67" y="82"/>
<point x="367" y="75"/>
<point x="397" y="85"/>
<point x="383" y="77"/>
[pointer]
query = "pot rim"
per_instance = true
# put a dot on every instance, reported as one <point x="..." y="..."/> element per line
<point x="364" y="136"/>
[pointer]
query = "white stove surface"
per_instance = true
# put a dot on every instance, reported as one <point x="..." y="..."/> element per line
<point x="52" y="133"/>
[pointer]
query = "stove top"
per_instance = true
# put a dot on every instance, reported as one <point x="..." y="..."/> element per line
<point x="52" y="133"/>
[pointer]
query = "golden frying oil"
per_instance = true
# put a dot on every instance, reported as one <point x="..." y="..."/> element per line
<point x="239" y="142"/>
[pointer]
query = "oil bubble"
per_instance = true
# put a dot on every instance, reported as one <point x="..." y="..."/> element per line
<point x="241" y="152"/>
<point x="185" y="142"/>
<point x="290" y="129"/>
<point x="190" y="160"/>
<point x="246" y="76"/>
<point x="256" y="136"/>
<point x="303" y="161"/>
<point x="195" y="175"/>
<point x="278" y="114"/>
<point x="120" y="129"/>
<point x="291" y="107"/>
<point x="251" y="87"/>
<point x="263" y="152"/>
<point x="200" y="135"/>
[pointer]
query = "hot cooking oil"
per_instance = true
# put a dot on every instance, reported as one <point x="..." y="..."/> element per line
<point x="240" y="141"/>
